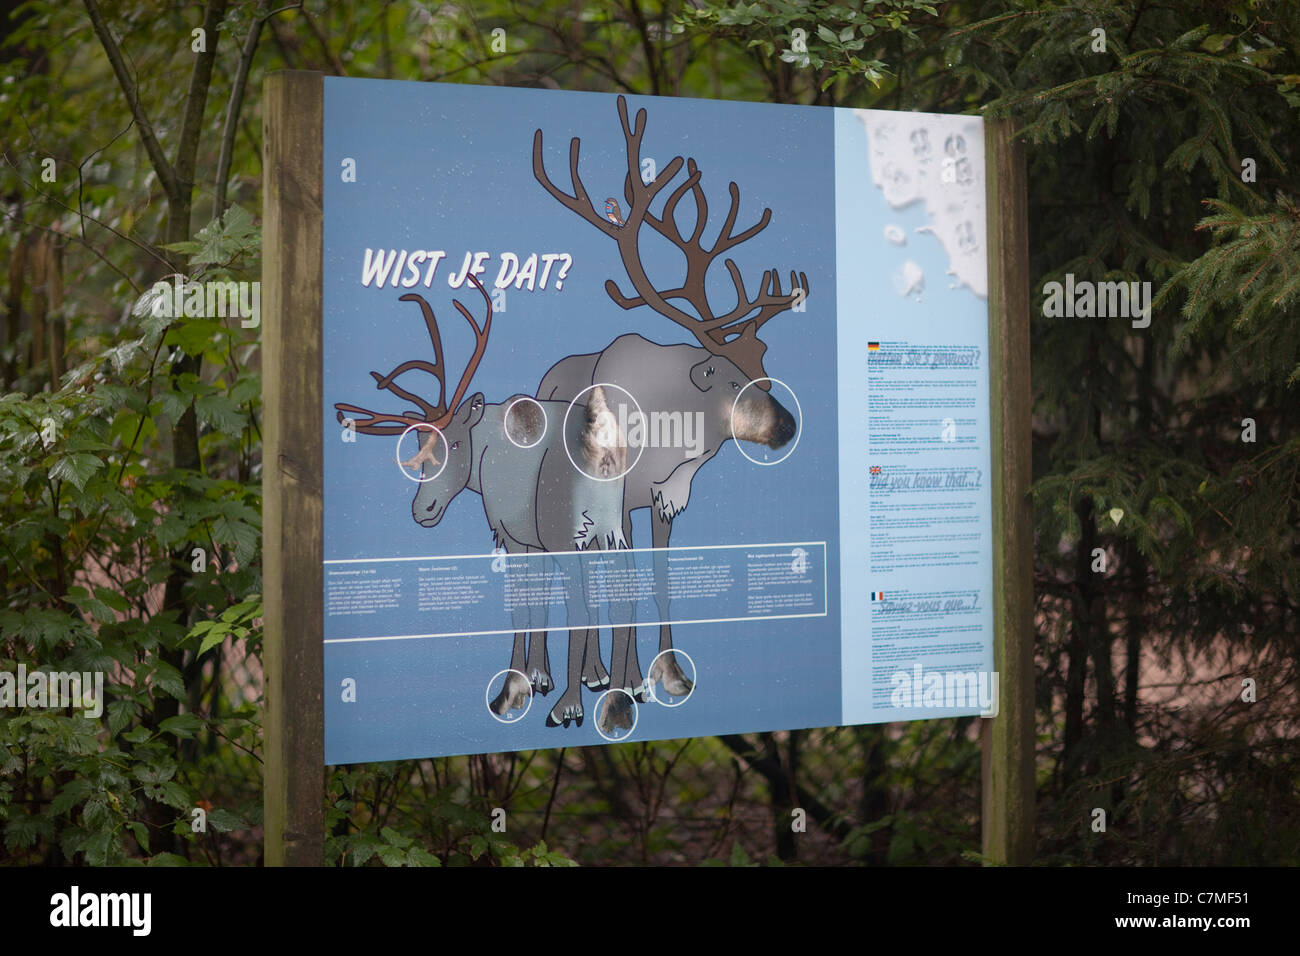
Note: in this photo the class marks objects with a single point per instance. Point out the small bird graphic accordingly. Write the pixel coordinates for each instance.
(612, 212)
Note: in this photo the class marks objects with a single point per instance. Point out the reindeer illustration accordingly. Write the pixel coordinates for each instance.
(550, 477)
(709, 379)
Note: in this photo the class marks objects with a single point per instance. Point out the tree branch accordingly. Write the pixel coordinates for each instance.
(166, 174)
(237, 102)
(192, 122)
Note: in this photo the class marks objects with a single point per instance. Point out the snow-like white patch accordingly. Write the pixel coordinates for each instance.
(895, 235)
(939, 160)
(909, 279)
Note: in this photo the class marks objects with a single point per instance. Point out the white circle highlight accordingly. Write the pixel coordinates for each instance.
(487, 697)
(446, 453)
(694, 676)
(565, 431)
(505, 421)
(798, 433)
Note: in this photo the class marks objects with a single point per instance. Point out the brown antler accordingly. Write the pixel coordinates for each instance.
(377, 423)
(733, 335)
(480, 346)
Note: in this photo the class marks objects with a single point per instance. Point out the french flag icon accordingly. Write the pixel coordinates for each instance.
(877, 595)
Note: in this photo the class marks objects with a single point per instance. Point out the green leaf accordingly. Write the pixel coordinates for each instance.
(213, 638)
(120, 713)
(360, 853)
(218, 243)
(394, 838)
(73, 792)
(137, 735)
(168, 678)
(223, 821)
(114, 600)
(141, 834)
(182, 725)
(418, 856)
(76, 468)
(244, 537)
(174, 795)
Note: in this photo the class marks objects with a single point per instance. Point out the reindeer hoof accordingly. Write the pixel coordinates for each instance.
(615, 712)
(514, 695)
(541, 681)
(668, 672)
(564, 711)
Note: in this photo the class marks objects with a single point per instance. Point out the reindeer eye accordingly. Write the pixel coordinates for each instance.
(455, 445)
(708, 371)
(735, 386)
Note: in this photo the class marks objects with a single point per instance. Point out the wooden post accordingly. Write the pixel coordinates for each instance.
(1008, 738)
(293, 734)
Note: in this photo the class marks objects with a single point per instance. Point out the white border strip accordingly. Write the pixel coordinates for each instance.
(683, 547)
(549, 630)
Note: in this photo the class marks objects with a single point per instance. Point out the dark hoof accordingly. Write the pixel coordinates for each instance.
(565, 710)
(541, 681)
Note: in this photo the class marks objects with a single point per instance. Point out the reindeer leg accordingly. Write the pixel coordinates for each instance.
(539, 663)
(569, 706)
(514, 692)
(594, 674)
(616, 709)
(666, 667)
(538, 668)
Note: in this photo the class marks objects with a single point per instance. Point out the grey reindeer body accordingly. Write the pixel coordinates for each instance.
(666, 379)
(534, 495)
(536, 500)
(673, 378)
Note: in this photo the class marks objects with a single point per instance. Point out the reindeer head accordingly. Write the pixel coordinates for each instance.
(732, 335)
(744, 413)
(441, 481)
(442, 429)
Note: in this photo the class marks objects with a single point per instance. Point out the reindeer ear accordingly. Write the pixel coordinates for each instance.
(704, 374)
(470, 410)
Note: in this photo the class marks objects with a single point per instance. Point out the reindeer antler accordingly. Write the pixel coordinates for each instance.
(733, 335)
(378, 423)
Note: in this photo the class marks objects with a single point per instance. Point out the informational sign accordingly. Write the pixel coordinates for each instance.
(648, 418)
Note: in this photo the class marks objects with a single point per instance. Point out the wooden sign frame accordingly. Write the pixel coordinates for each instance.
(293, 113)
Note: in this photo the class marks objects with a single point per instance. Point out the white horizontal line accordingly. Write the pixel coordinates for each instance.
(520, 554)
(711, 620)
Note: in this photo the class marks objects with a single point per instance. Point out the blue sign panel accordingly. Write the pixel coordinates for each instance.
(648, 418)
